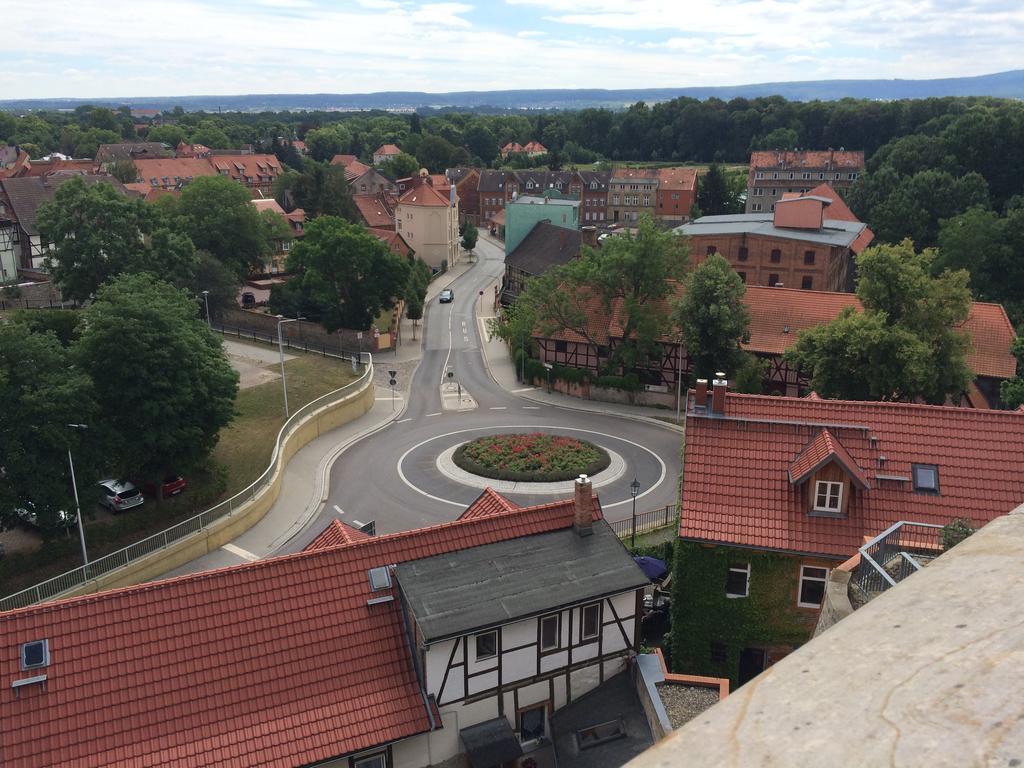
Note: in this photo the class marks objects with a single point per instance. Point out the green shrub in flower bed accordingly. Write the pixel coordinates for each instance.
(531, 458)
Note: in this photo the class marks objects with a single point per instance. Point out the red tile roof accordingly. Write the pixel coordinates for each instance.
(353, 168)
(681, 179)
(490, 502)
(832, 160)
(392, 239)
(279, 662)
(172, 172)
(376, 210)
(821, 450)
(334, 535)
(423, 194)
(252, 170)
(737, 490)
(387, 149)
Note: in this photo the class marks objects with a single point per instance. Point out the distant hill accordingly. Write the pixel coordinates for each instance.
(1001, 84)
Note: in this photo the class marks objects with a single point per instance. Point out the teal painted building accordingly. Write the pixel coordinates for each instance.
(522, 214)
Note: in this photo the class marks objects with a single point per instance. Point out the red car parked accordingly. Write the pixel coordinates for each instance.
(171, 486)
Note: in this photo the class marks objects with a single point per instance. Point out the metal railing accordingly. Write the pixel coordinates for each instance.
(894, 555)
(7, 304)
(59, 584)
(651, 520)
(304, 345)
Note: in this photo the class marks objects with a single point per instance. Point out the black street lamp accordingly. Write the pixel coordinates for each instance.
(634, 489)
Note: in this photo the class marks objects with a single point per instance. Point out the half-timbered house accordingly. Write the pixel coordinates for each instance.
(397, 651)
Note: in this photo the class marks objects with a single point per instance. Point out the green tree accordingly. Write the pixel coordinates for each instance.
(124, 171)
(480, 141)
(780, 138)
(41, 392)
(416, 292)
(221, 282)
(168, 412)
(400, 166)
(1012, 390)
(905, 345)
(348, 274)
(96, 233)
(211, 135)
(470, 235)
(435, 153)
(324, 143)
(634, 272)
(714, 320)
(172, 135)
(715, 196)
(219, 217)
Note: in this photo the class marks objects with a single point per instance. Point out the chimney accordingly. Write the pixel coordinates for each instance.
(700, 399)
(583, 507)
(590, 236)
(718, 389)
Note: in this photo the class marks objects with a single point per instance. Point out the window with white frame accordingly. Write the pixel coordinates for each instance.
(812, 586)
(756, 207)
(35, 654)
(549, 626)
(828, 496)
(737, 582)
(486, 645)
(590, 624)
(759, 175)
(376, 760)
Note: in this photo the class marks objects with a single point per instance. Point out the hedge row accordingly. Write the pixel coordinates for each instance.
(535, 371)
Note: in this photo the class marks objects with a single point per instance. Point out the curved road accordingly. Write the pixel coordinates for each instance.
(391, 476)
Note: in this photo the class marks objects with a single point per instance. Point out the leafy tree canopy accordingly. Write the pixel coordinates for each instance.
(174, 388)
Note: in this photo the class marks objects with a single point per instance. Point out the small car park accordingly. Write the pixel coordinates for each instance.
(117, 496)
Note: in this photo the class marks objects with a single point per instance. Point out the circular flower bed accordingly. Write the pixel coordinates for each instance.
(531, 458)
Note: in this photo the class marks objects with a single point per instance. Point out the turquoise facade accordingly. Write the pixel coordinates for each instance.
(521, 215)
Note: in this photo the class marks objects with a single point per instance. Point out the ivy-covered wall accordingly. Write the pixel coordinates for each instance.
(702, 614)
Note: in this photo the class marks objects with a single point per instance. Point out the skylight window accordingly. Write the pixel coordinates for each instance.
(926, 478)
(35, 654)
(380, 579)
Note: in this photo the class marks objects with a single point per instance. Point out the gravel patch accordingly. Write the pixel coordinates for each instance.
(685, 702)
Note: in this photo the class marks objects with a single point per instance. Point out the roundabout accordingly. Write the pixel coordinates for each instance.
(531, 457)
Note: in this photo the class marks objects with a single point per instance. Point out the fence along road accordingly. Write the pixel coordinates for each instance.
(56, 586)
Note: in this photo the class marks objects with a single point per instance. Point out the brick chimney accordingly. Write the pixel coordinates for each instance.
(718, 389)
(590, 236)
(700, 399)
(583, 507)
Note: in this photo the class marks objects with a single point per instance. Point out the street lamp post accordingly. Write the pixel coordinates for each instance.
(634, 489)
(206, 303)
(281, 320)
(78, 507)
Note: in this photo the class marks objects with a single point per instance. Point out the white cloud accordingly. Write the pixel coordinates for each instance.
(179, 47)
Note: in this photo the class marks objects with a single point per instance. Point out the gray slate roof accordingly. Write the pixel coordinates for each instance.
(487, 586)
(492, 181)
(536, 200)
(838, 233)
(544, 247)
(110, 153)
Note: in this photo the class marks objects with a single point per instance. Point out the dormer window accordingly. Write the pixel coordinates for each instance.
(926, 478)
(35, 654)
(828, 496)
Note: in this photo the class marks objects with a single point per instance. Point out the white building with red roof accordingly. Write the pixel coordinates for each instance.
(428, 220)
(385, 152)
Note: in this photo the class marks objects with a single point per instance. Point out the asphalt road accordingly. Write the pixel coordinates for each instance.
(391, 476)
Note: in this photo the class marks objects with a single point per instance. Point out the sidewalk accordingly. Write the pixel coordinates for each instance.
(303, 487)
(499, 364)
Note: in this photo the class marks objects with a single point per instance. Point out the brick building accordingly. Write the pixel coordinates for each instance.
(677, 193)
(776, 173)
(467, 187)
(799, 245)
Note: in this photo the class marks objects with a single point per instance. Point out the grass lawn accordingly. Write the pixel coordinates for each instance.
(242, 453)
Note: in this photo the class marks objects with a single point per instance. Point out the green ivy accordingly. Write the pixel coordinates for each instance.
(702, 614)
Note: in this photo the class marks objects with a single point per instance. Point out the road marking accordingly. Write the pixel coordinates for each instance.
(396, 397)
(408, 483)
(339, 510)
(524, 389)
(531, 407)
(402, 421)
(239, 552)
(433, 414)
(499, 407)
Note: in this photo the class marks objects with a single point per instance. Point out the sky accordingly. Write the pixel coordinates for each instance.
(123, 48)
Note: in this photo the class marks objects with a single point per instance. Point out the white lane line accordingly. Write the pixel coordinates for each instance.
(339, 510)
(239, 552)
(524, 389)
(499, 407)
(531, 407)
(409, 484)
(402, 421)
(447, 357)
(433, 414)
(397, 397)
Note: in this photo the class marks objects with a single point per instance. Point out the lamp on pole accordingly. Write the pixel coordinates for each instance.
(634, 489)
(206, 303)
(78, 507)
(281, 320)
